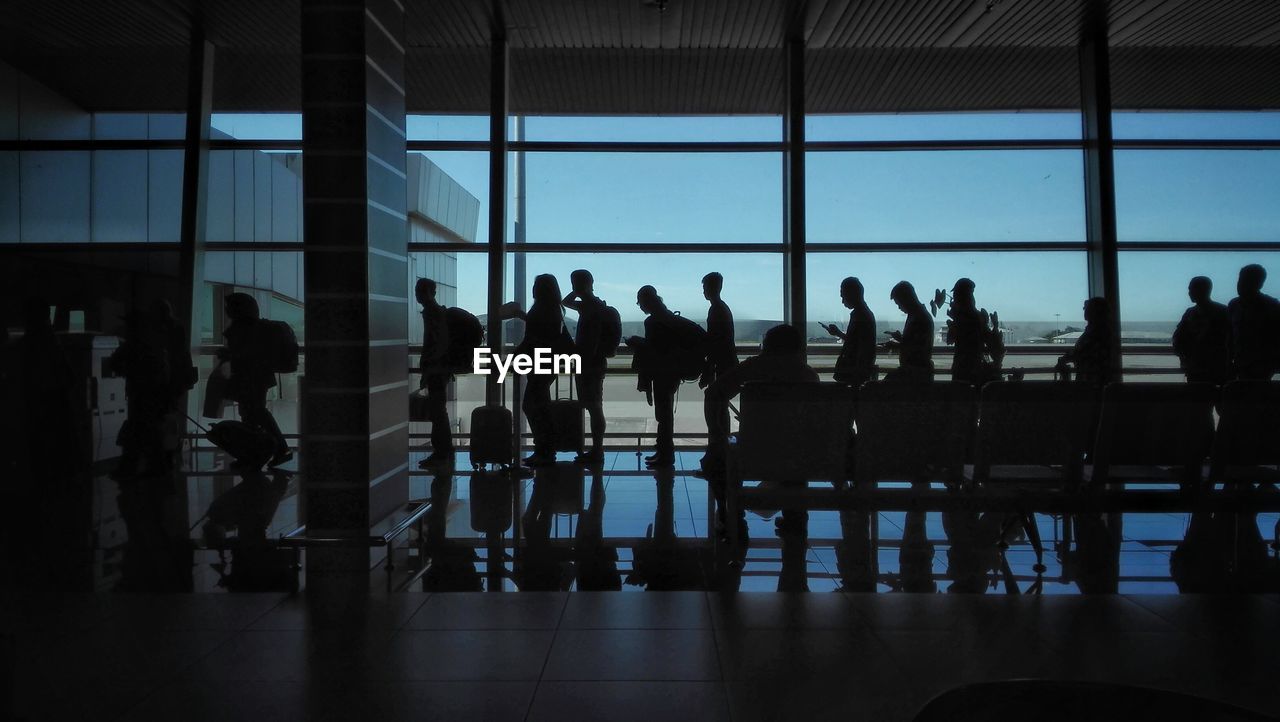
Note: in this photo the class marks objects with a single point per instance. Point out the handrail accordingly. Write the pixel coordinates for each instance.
(298, 538)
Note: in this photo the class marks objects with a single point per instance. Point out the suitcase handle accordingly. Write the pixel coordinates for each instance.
(557, 398)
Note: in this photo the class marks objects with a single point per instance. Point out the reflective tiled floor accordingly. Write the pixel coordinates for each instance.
(588, 656)
(659, 527)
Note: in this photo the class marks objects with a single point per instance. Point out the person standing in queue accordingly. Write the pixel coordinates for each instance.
(595, 360)
(857, 361)
(435, 372)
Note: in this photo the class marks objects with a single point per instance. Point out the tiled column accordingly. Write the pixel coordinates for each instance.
(355, 410)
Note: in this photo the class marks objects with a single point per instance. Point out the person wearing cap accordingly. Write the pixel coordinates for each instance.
(979, 349)
(658, 378)
(915, 342)
(857, 361)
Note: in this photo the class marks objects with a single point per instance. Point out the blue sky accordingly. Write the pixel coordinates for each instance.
(1029, 195)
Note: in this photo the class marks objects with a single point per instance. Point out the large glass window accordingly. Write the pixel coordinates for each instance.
(586, 197)
(1197, 195)
(945, 196)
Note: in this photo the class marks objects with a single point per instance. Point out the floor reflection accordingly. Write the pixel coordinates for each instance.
(618, 527)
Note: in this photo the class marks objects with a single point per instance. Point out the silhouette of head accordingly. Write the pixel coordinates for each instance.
(582, 282)
(904, 294)
(424, 290)
(1199, 289)
(851, 292)
(1252, 277)
(648, 300)
(1096, 310)
(546, 290)
(781, 339)
(712, 284)
(241, 307)
(963, 289)
(162, 310)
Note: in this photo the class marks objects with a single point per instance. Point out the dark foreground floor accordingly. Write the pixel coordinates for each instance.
(577, 656)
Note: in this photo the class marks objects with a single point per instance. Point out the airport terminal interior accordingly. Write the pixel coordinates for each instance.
(924, 359)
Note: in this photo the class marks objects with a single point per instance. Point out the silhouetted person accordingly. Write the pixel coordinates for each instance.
(155, 360)
(658, 374)
(915, 342)
(1255, 326)
(1091, 354)
(543, 328)
(434, 367)
(780, 360)
(857, 361)
(53, 477)
(251, 369)
(595, 361)
(978, 348)
(1202, 339)
(722, 352)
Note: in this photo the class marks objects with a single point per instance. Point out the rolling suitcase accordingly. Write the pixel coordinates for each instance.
(248, 445)
(566, 422)
(490, 436)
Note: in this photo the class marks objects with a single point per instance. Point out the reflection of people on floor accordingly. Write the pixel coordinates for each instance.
(915, 556)
(540, 565)
(1224, 553)
(597, 562)
(451, 566)
(662, 562)
(256, 564)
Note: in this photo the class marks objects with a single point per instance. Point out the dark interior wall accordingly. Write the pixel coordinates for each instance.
(102, 284)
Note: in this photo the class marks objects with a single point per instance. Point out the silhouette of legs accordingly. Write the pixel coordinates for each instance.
(664, 409)
(438, 414)
(537, 409)
(591, 392)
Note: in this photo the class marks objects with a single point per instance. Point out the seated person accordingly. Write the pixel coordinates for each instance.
(780, 360)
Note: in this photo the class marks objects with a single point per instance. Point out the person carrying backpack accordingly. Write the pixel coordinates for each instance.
(436, 372)
(598, 333)
(672, 350)
(254, 350)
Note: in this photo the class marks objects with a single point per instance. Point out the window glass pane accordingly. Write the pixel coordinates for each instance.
(448, 127)
(254, 196)
(670, 128)
(1223, 125)
(1197, 195)
(940, 196)
(653, 197)
(943, 126)
(139, 126)
(1153, 284)
(257, 126)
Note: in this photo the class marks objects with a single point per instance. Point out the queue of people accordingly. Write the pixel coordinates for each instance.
(1214, 343)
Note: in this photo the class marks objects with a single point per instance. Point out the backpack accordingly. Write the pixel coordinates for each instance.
(690, 351)
(281, 347)
(610, 331)
(466, 334)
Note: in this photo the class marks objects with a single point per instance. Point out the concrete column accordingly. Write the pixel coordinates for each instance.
(355, 407)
